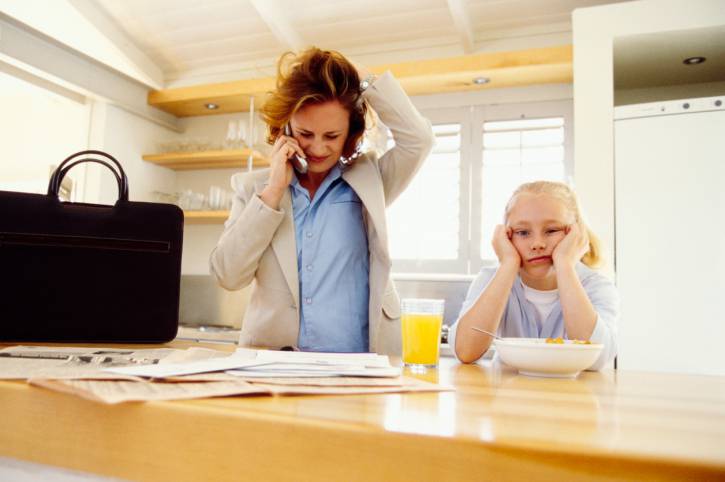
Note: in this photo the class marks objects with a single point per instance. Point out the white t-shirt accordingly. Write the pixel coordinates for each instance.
(543, 301)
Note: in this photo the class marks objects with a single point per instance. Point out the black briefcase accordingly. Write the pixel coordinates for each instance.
(75, 272)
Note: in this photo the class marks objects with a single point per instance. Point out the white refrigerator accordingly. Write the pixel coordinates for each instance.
(670, 235)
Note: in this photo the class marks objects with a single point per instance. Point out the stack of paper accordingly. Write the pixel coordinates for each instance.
(196, 373)
(267, 363)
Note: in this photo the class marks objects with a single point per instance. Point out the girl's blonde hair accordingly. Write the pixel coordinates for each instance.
(562, 192)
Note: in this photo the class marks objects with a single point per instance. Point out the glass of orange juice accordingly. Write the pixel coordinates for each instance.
(421, 321)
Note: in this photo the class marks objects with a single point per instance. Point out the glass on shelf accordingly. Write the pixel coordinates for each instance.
(165, 197)
(236, 137)
(168, 145)
(185, 144)
(192, 201)
(219, 199)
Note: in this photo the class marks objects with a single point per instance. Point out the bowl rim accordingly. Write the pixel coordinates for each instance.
(536, 344)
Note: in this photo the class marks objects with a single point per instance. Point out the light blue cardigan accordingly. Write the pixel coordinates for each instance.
(519, 316)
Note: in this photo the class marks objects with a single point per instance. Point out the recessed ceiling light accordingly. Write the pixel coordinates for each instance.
(211, 106)
(694, 60)
(481, 80)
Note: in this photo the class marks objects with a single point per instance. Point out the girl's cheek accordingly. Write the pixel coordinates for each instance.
(520, 247)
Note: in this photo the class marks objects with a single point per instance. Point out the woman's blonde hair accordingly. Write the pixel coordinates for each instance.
(315, 76)
(562, 192)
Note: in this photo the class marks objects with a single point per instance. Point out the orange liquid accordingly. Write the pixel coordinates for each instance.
(421, 335)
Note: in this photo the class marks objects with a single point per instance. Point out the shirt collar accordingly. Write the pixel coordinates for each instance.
(334, 174)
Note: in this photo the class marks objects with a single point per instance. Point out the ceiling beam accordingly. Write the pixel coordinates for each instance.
(108, 27)
(82, 26)
(453, 74)
(278, 22)
(44, 61)
(461, 19)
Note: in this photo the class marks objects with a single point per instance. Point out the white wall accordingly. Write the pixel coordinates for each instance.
(127, 137)
(594, 32)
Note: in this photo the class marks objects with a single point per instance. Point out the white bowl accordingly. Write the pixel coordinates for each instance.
(535, 357)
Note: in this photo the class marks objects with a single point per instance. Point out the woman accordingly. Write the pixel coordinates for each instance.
(315, 243)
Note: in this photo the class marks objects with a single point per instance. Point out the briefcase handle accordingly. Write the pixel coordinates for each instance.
(66, 165)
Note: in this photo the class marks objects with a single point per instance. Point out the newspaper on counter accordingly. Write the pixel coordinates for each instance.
(109, 375)
(118, 391)
(23, 362)
(115, 391)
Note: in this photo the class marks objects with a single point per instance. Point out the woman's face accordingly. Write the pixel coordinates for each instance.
(537, 222)
(321, 130)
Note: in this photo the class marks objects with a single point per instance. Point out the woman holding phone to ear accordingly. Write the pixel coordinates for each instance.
(314, 243)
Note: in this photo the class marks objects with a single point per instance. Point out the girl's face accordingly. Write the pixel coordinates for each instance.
(537, 223)
(321, 130)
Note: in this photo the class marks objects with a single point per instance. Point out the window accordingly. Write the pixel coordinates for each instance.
(39, 128)
(444, 221)
(422, 228)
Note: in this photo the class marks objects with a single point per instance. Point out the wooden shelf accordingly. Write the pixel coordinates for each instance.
(221, 159)
(205, 217)
(453, 74)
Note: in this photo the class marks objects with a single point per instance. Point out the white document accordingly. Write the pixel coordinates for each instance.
(283, 364)
(277, 370)
(268, 363)
(370, 360)
(236, 360)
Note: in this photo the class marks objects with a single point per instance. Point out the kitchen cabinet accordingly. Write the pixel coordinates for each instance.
(217, 159)
(205, 217)
(418, 77)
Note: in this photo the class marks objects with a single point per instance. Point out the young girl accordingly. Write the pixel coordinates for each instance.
(543, 286)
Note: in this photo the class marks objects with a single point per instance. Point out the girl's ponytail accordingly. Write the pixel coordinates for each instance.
(593, 257)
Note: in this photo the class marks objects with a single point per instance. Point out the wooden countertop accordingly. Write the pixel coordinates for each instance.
(496, 425)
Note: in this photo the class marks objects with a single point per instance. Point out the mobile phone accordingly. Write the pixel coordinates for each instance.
(298, 162)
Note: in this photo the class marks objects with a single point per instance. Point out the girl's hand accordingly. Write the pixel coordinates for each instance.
(504, 248)
(572, 247)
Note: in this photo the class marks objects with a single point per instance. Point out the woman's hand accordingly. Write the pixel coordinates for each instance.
(572, 247)
(280, 172)
(504, 248)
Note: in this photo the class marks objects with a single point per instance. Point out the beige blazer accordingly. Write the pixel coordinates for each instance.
(258, 242)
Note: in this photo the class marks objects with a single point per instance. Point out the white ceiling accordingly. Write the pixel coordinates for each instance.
(198, 41)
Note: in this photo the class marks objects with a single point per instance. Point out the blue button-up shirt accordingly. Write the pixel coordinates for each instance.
(333, 266)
